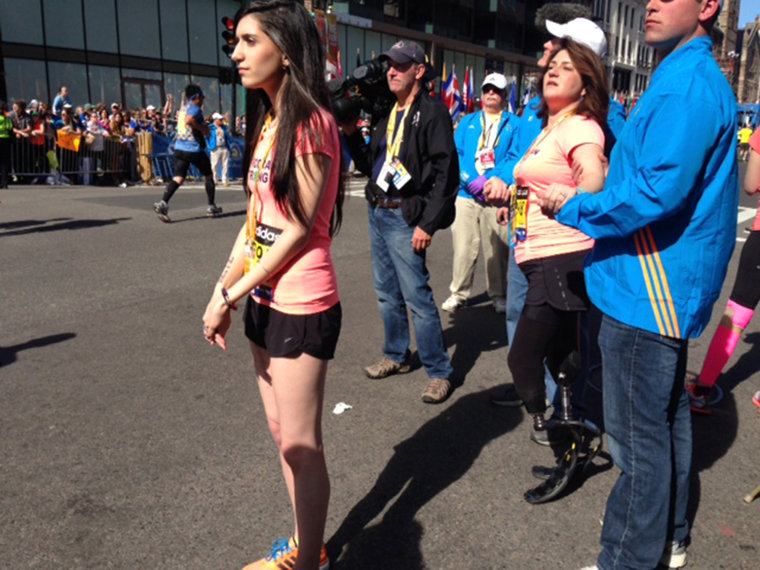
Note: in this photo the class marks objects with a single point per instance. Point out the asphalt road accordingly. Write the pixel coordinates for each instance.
(127, 442)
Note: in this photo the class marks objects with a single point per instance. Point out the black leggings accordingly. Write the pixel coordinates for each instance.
(746, 290)
(542, 333)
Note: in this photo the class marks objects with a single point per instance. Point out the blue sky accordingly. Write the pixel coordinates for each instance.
(747, 11)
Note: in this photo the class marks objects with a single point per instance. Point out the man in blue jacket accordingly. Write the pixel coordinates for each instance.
(219, 146)
(665, 227)
(482, 140)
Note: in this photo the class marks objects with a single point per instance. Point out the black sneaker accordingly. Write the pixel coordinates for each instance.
(213, 211)
(507, 397)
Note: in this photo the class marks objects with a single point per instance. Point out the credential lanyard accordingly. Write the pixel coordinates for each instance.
(485, 135)
(250, 219)
(394, 139)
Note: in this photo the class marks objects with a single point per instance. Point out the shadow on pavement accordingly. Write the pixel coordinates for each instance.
(8, 353)
(65, 225)
(205, 217)
(27, 223)
(471, 331)
(715, 434)
(424, 465)
(745, 367)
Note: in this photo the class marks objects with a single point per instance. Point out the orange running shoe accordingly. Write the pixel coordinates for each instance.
(283, 557)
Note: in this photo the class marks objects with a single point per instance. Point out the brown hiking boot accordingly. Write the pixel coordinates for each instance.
(386, 367)
(437, 391)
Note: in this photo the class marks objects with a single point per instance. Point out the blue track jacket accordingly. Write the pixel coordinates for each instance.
(211, 140)
(466, 138)
(665, 223)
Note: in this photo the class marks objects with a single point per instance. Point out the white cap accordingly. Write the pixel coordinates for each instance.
(150, 108)
(495, 79)
(114, 104)
(216, 116)
(583, 31)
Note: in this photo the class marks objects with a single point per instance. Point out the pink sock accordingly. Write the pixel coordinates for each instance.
(724, 342)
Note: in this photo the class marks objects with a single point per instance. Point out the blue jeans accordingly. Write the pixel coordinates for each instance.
(646, 412)
(401, 278)
(517, 291)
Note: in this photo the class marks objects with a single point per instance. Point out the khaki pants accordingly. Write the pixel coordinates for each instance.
(218, 154)
(474, 227)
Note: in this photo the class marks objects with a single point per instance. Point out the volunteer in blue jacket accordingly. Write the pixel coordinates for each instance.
(665, 227)
(482, 140)
(219, 146)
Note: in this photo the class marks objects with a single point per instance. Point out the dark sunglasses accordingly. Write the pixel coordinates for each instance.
(492, 89)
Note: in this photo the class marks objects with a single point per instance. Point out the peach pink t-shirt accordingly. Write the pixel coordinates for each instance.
(754, 143)
(548, 161)
(307, 284)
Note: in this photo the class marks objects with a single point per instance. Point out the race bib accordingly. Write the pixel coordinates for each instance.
(518, 214)
(181, 125)
(255, 249)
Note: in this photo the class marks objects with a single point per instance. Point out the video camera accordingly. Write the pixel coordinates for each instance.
(366, 89)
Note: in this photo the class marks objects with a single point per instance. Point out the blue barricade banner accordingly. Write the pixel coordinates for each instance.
(163, 158)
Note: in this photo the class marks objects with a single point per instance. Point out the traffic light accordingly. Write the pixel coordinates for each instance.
(228, 36)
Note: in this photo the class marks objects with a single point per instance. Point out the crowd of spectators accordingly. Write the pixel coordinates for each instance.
(88, 143)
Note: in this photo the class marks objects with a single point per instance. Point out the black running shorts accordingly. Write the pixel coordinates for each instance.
(282, 334)
(183, 160)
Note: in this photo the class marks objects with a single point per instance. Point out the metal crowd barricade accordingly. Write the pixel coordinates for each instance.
(69, 158)
(162, 157)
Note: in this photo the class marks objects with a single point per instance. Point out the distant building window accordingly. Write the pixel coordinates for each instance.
(392, 8)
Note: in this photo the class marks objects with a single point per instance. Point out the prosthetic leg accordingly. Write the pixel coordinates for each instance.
(584, 442)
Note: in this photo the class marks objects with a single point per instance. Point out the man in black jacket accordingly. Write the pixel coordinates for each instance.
(412, 164)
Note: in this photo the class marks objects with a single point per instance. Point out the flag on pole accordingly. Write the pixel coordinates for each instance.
(465, 95)
(340, 66)
(526, 97)
(513, 100)
(470, 93)
(445, 87)
(455, 104)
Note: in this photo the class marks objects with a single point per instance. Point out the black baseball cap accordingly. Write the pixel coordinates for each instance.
(405, 51)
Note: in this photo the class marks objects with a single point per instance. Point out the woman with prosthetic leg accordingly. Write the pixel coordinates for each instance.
(574, 101)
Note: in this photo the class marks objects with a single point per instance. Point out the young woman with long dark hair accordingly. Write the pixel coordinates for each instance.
(280, 262)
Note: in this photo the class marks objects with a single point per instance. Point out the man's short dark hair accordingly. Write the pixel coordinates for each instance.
(193, 91)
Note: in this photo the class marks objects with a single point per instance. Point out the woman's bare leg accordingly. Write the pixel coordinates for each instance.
(292, 390)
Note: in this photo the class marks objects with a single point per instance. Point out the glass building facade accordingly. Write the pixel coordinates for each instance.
(482, 35)
(134, 52)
